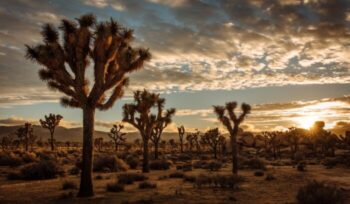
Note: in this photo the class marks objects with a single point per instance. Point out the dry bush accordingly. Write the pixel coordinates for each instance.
(29, 157)
(160, 164)
(218, 181)
(211, 165)
(132, 161)
(115, 187)
(130, 178)
(259, 173)
(38, 171)
(147, 184)
(109, 164)
(189, 178)
(301, 166)
(320, 193)
(69, 185)
(10, 159)
(254, 164)
(74, 170)
(176, 175)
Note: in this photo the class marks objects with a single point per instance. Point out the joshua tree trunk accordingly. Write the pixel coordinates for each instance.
(52, 145)
(116, 147)
(181, 146)
(86, 187)
(145, 167)
(156, 150)
(234, 150)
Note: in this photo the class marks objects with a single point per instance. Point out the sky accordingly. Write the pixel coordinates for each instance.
(289, 59)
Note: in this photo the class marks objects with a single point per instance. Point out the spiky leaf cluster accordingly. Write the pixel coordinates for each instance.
(107, 44)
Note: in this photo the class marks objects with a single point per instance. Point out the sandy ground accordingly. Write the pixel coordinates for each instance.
(254, 190)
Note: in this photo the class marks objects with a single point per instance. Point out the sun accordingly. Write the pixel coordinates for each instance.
(306, 121)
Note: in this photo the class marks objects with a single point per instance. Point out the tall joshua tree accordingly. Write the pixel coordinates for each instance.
(181, 131)
(107, 45)
(50, 123)
(139, 115)
(117, 136)
(227, 116)
(163, 120)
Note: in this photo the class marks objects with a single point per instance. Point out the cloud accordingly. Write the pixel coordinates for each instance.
(196, 45)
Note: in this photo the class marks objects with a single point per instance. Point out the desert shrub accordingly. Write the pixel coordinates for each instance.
(115, 187)
(62, 153)
(46, 155)
(29, 157)
(269, 177)
(141, 201)
(109, 163)
(132, 161)
(258, 173)
(147, 184)
(160, 164)
(218, 181)
(204, 157)
(98, 177)
(67, 195)
(130, 178)
(331, 162)
(40, 170)
(74, 170)
(301, 166)
(176, 175)
(184, 157)
(320, 193)
(254, 164)
(69, 185)
(199, 164)
(10, 160)
(214, 165)
(189, 178)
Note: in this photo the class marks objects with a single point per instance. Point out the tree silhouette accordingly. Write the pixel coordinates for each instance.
(226, 115)
(50, 123)
(212, 138)
(181, 131)
(139, 115)
(25, 135)
(117, 136)
(163, 120)
(107, 44)
(98, 142)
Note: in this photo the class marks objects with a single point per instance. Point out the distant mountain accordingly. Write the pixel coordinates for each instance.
(63, 134)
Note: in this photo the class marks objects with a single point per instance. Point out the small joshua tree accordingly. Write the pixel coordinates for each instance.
(139, 115)
(25, 135)
(181, 131)
(108, 46)
(163, 120)
(212, 138)
(50, 123)
(99, 143)
(227, 116)
(193, 141)
(117, 136)
(6, 142)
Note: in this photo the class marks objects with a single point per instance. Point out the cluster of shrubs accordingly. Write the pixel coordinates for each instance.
(160, 164)
(107, 163)
(115, 187)
(343, 160)
(256, 164)
(38, 171)
(146, 185)
(216, 181)
(320, 193)
(210, 165)
(130, 178)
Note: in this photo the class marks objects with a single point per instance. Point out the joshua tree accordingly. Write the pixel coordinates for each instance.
(172, 144)
(107, 44)
(50, 123)
(25, 135)
(117, 136)
(272, 142)
(98, 143)
(181, 131)
(139, 115)
(212, 138)
(6, 142)
(163, 120)
(232, 122)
